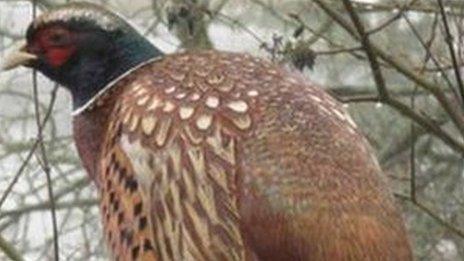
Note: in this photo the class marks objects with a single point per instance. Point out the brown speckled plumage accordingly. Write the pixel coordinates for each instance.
(211, 155)
(229, 157)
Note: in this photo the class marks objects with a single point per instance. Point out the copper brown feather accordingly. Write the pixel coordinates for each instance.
(236, 158)
(211, 155)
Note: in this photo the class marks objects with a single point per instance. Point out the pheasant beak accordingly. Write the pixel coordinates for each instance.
(20, 57)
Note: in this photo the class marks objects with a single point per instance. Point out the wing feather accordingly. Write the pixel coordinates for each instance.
(182, 149)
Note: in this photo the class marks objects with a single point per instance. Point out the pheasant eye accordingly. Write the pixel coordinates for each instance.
(54, 37)
(58, 38)
(55, 45)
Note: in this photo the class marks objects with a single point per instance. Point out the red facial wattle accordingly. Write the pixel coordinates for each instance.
(58, 56)
(54, 44)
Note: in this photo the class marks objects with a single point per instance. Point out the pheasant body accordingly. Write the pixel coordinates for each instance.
(233, 157)
(212, 155)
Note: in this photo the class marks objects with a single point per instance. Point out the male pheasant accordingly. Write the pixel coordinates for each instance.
(209, 155)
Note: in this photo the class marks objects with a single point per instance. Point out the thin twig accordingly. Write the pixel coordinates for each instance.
(337, 51)
(236, 22)
(412, 155)
(419, 7)
(44, 162)
(383, 95)
(29, 155)
(19, 173)
(24, 210)
(438, 93)
(375, 67)
(434, 216)
(44, 158)
(394, 18)
(449, 41)
(427, 47)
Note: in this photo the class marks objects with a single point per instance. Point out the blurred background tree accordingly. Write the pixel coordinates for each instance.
(397, 65)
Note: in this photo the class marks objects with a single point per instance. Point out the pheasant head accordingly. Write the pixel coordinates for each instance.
(83, 47)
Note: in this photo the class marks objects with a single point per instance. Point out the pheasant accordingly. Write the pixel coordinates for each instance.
(209, 155)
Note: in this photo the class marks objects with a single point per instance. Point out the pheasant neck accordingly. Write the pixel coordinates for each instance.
(99, 61)
(89, 130)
